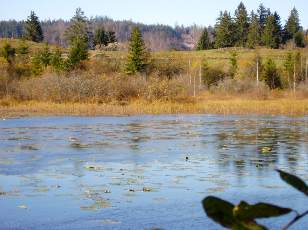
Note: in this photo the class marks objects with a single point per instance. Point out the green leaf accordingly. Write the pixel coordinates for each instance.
(248, 225)
(294, 181)
(219, 210)
(245, 211)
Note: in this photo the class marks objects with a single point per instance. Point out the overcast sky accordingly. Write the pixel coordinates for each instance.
(171, 12)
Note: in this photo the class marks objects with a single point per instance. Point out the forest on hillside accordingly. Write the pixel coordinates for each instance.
(262, 27)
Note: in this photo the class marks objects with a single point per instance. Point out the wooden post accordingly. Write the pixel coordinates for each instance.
(200, 75)
(294, 78)
(257, 72)
(189, 71)
(194, 85)
(306, 70)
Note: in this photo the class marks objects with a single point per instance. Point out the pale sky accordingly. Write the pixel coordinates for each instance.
(171, 12)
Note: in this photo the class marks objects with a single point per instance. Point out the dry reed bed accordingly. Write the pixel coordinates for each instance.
(288, 107)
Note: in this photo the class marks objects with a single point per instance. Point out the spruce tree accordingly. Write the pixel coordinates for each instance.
(270, 74)
(33, 29)
(272, 32)
(138, 55)
(292, 26)
(224, 31)
(111, 38)
(241, 25)
(278, 33)
(78, 52)
(100, 37)
(204, 41)
(299, 39)
(78, 28)
(253, 37)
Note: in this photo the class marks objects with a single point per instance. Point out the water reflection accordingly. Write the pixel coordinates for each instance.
(154, 165)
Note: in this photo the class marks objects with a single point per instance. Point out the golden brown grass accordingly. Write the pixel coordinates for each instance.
(289, 107)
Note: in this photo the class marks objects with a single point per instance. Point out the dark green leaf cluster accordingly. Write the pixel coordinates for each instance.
(243, 215)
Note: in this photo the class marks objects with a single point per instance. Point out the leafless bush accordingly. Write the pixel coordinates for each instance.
(245, 86)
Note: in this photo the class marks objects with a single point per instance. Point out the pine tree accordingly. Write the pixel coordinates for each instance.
(299, 39)
(292, 26)
(278, 33)
(45, 56)
(263, 14)
(270, 74)
(78, 52)
(8, 53)
(224, 31)
(33, 29)
(78, 28)
(204, 41)
(272, 32)
(138, 55)
(100, 37)
(233, 64)
(241, 25)
(111, 38)
(253, 37)
(57, 61)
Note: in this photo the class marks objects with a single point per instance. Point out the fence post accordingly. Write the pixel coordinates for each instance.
(306, 70)
(189, 71)
(200, 75)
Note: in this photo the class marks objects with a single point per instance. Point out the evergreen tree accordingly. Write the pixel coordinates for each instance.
(138, 55)
(78, 52)
(233, 64)
(224, 31)
(289, 67)
(299, 39)
(56, 60)
(263, 14)
(204, 41)
(278, 33)
(253, 37)
(33, 29)
(100, 37)
(78, 28)
(292, 26)
(111, 38)
(45, 56)
(270, 74)
(272, 32)
(241, 25)
(8, 53)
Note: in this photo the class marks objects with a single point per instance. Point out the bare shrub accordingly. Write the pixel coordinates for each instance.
(245, 86)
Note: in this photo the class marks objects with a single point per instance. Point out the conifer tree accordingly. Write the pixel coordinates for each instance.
(100, 37)
(111, 38)
(272, 32)
(224, 31)
(241, 25)
(78, 28)
(278, 33)
(78, 52)
(253, 37)
(33, 29)
(138, 55)
(292, 26)
(204, 41)
(270, 74)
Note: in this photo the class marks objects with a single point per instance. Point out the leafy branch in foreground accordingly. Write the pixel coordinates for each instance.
(243, 215)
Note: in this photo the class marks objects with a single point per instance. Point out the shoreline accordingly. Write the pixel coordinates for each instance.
(287, 107)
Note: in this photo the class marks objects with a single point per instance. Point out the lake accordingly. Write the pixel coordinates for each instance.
(145, 172)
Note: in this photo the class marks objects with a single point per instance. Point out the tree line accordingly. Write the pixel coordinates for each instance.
(261, 28)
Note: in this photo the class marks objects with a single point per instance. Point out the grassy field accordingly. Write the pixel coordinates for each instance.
(282, 103)
(288, 107)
